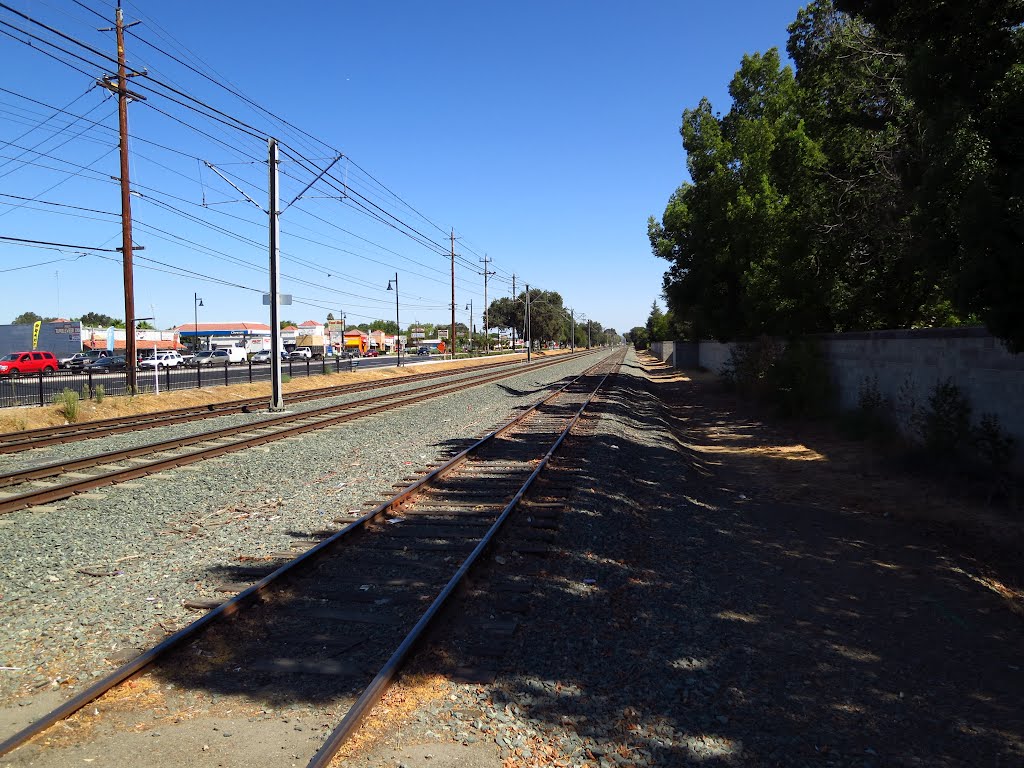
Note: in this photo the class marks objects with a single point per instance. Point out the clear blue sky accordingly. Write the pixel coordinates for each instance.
(544, 133)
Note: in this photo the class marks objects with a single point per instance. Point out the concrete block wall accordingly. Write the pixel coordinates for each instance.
(990, 377)
(678, 354)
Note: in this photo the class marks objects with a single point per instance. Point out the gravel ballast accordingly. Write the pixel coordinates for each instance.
(101, 574)
(681, 617)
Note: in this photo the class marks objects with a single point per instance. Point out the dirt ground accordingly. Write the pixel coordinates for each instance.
(811, 464)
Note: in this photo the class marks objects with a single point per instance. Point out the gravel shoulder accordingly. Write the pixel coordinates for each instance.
(690, 615)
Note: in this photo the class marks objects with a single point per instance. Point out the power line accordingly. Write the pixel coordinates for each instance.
(60, 245)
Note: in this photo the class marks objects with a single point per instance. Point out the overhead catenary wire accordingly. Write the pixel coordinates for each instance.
(354, 194)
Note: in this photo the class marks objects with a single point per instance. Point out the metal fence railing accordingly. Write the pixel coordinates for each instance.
(41, 389)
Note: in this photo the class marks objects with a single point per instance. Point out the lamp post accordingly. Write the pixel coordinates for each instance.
(197, 303)
(470, 308)
(398, 324)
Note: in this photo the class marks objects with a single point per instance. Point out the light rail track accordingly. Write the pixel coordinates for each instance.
(104, 469)
(13, 442)
(335, 625)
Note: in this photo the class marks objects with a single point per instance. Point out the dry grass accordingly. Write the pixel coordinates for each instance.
(21, 419)
(386, 719)
(133, 695)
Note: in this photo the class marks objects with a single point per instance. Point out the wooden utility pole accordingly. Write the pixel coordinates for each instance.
(123, 94)
(451, 339)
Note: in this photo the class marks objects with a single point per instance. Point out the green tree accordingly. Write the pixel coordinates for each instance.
(99, 320)
(638, 337)
(965, 72)
(26, 318)
(387, 326)
(286, 323)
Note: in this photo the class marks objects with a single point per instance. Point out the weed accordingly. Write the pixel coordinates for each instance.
(285, 378)
(67, 403)
(99, 393)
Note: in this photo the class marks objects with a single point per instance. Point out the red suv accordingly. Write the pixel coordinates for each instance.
(18, 363)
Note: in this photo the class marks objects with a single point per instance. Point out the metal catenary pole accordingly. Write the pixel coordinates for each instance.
(487, 327)
(276, 396)
(514, 297)
(451, 337)
(529, 337)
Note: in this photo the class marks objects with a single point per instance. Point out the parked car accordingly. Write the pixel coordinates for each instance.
(301, 353)
(19, 363)
(424, 351)
(162, 360)
(106, 364)
(203, 358)
(80, 359)
(372, 353)
(262, 356)
(232, 353)
(187, 357)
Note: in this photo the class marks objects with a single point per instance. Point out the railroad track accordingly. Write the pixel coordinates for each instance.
(65, 478)
(334, 625)
(14, 442)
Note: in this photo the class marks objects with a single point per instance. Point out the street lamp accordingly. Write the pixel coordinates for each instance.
(198, 302)
(398, 324)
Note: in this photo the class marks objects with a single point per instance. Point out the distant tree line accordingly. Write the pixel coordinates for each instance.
(89, 320)
(880, 185)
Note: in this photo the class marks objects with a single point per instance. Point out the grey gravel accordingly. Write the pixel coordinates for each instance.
(156, 542)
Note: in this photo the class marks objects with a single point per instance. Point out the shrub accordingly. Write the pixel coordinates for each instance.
(945, 424)
(872, 417)
(285, 378)
(67, 403)
(993, 445)
(99, 393)
(749, 368)
(795, 378)
(800, 382)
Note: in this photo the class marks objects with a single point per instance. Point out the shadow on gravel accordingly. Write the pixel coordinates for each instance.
(682, 622)
(686, 623)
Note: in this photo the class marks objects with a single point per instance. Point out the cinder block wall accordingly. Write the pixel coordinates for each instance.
(991, 378)
(914, 361)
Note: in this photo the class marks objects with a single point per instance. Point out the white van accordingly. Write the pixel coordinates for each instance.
(234, 354)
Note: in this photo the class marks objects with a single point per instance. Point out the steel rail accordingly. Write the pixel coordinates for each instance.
(330, 418)
(304, 560)
(13, 442)
(383, 679)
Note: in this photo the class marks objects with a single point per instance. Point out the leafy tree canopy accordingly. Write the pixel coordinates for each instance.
(26, 318)
(875, 186)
